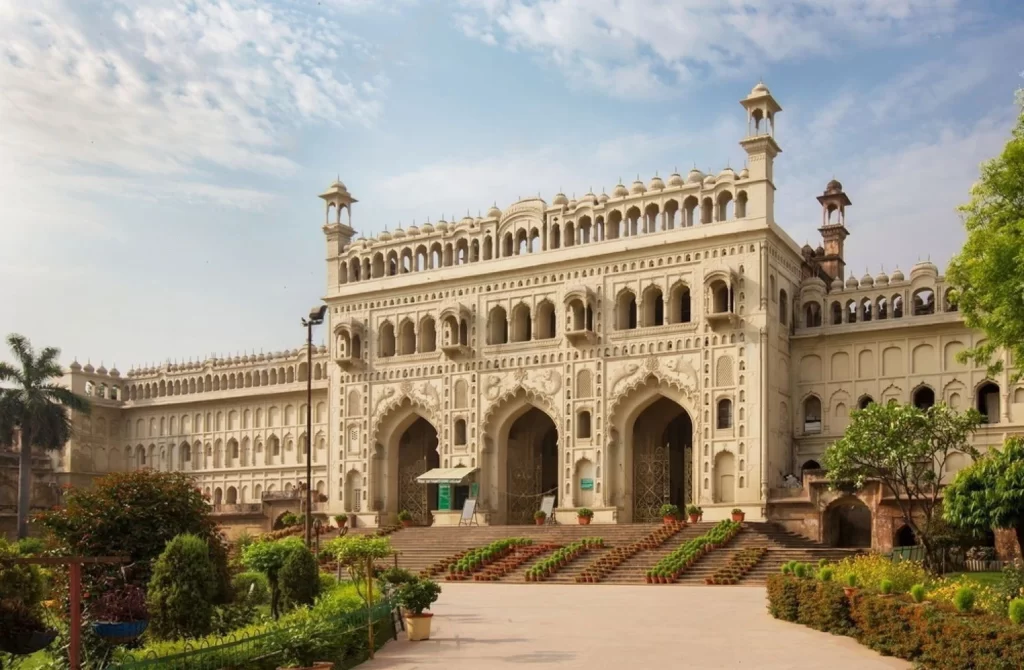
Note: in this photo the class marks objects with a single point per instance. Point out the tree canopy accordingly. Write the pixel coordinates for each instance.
(906, 449)
(990, 493)
(988, 273)
(33, 404)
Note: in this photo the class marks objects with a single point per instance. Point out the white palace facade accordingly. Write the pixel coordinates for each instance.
(665, 342)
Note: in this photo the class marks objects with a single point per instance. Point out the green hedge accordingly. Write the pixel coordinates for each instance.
(934, 635)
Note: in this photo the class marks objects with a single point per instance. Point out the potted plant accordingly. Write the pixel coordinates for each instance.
(22, 630)
(540, 517)
(693, 512)
(405, 518)
(341, 520)
(584, 515)
(850, 589)
(416, 597)
(120, 615)
(738, 515)
(669, 513)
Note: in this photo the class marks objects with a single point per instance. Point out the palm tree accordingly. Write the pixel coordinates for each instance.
(32, 404)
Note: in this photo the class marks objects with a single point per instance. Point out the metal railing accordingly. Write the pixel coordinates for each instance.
(238, 508)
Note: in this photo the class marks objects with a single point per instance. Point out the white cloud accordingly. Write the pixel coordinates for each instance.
(648, 46)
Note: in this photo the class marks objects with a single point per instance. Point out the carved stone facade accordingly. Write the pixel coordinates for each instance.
(666, 342)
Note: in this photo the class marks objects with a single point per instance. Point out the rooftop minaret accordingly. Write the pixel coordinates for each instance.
(339, 234)
(833, 228)
(761, 149)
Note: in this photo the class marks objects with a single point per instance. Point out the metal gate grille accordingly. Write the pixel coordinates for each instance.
(650, 484)
(524, 481)
(412, 495)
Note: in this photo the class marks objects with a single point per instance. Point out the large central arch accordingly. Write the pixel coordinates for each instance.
(406, 447)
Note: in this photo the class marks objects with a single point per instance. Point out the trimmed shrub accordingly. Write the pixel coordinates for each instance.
(823, 606)
(269, 558)
(787, 569)
(182, 589)
(826, 574)
(800, 570)
(1016, 611)
(327, 583)
(885, 587)
(871, 569)
(887, 626)
(252, 588)
(822, 562)
(917, 593)
(851, 580)
(782, 596)
(300, 579)
(964, 599)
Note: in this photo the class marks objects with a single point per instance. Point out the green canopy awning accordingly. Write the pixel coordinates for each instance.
(446, 475)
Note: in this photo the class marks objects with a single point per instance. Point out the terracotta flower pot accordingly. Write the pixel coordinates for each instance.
(584, 520)
(694, 518)
(540, 522)
(738, 516)
(406, 523)
(850, 592)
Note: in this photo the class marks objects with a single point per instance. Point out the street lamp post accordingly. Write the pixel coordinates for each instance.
(316, 317)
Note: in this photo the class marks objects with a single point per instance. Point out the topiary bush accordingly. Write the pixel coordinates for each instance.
(964, 599)
(782, 596)
(251, 587)
(300, 579)
(1016, 611)
(885, 587)
(917, 593)
(182, 590)
(269, 558)
(800, 570)
(826, 574)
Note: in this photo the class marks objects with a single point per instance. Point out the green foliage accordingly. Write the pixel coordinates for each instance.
(1011, 582)
(327, 582)
(540, 514)
(818, 604)
(35, 403)
(22, 583)
(917, 593)
(251, 587)
(404, 515)
(851, 580)
(299, 579)
(1016, 611)
(269, 557)
(686, 555)
(692, 509)
(244, 539)
(826, 574)
(418, 596)
(585, 513)
(990, 492)
(964, 599)
(800, 570)
(906, 449)
(182, 589)
(669, 510)
(985, 274)
(341, 519)
(135, 514)
(30, 546)
(358, 554)
(885, 586)
(288, 519)
(787, 569)
(822, 562)
(871, 569)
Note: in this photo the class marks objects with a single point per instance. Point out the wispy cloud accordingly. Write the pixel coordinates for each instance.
(644, 47)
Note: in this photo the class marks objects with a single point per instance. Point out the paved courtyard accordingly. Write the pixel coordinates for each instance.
(646, 627)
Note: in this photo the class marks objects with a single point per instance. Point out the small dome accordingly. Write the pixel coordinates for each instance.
(656, 184)
(442, 226)
(819, 250)
(867, 281)
(675, 179)
(399, 233)
(339, 185)
(620, 191)
(560, 199)
(101, 370)
(744, 173)
(603, 198)
(637, 187)
(834, 186)
(412, 231)
(588, 198)
(837, 284)
(75, 366)
(727, 173)
(851, 282)
(384, 236)
(759, 89)
(923, 269)
(89, 368)
(807, 250)
(881, 279)
(494, 212)
(427, 228)
(694, 176)
(572, 204)
(114, 372)
(709, 180)
(466, 220)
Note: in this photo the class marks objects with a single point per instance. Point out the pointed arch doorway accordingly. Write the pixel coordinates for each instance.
(662, 443)
(417, 453)
(532, 471)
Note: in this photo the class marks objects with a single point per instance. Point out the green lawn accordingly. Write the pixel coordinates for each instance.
(982, 578)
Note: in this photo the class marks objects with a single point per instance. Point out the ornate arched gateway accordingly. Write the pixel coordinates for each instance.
(406, 446)
(651, 447)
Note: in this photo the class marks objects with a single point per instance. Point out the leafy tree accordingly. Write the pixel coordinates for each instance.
(181, 590)
(990, 493)
(269, 558)
(986, 274)
(299, 578)
(33, 404)
(137, 514)
(359, 554)
(906, 449)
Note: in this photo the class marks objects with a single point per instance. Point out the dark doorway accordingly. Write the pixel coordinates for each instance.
(532, 464)
(662, 443)
(848, 524)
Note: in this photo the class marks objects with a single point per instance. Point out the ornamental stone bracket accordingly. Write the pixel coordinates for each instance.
(423, 395)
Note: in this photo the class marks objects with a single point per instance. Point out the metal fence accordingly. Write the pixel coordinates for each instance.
(949, 561)
(259, 650)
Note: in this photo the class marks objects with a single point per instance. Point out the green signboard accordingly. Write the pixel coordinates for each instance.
(474, 490)
(444, 496)
(586, 484)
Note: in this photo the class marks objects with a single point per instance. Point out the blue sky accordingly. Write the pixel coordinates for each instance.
(160, 159)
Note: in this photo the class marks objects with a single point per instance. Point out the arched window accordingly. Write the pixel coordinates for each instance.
(546, 328)
(881, 308)
(783, 307)
(865, 401)
(522, 323)
(406, 338)
(654, 307)
(679, 304)
(460, 432)
(387, 339)
(812, 315)
(724, 413)
(812, 414)
(507, 245)
(897, 307)
(583, 425)
(987, 402)
(721, 302)
(837, 313)
(924, 302)
(427, 336)
(924, 397)
(625, 310)
(865, 309)
(497, 326)
(851, 311)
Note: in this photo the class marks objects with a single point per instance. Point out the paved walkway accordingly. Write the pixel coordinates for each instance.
(497, 626)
